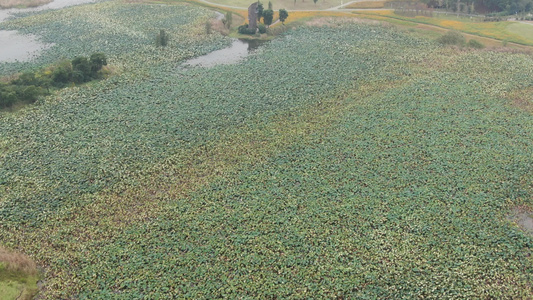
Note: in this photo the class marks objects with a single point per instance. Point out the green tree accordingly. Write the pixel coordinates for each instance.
(315, 1)
(268, 15)
(98, 60)
(228, 19)
(81, 70)
(283, 15)
(270, 5)
(8, 96)
(208, 27)
(26, 78)
(62, 73)
(260, 10)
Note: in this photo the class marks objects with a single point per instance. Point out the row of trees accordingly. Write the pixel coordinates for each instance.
(483, 6)
(29, 86)
(268, 17)
(268, 14)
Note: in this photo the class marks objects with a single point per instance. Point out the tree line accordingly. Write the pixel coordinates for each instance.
(509, 7)
(29, 86)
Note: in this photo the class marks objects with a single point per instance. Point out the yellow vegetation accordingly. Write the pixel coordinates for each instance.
(367, 4)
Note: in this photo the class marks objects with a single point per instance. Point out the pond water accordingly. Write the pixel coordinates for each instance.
(24, 47)
(19, 47)
(237, 51)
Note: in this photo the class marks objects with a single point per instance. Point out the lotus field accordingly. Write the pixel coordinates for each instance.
(343, 161)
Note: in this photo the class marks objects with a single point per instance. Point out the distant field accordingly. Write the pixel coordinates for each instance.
(508, 31)
(523, 30)
(341, 160)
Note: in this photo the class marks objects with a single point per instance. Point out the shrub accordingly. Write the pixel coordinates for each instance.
(81, 69)
(26, 78)
(162, 38)
(7, 95)
(262, 28)
(98, 60)
(475, 44)
(62, 73)
(452, 38)
(243, 29)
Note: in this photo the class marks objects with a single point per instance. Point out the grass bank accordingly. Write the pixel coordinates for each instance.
(18, 276)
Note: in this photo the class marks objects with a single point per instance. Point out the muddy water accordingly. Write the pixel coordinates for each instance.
(17, 47)
(237, 51)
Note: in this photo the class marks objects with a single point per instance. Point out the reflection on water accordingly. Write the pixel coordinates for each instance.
(19, 47)
(23, 47)
(238, 50)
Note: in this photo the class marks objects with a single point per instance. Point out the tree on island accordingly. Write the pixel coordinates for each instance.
(283, 15)
(260, 10)
(268, 15)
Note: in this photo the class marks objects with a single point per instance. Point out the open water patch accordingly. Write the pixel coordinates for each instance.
(523, 218)
(237, 51)
(17, 47)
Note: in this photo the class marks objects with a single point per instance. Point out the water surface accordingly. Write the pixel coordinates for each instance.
(237, 51)
(17, 47)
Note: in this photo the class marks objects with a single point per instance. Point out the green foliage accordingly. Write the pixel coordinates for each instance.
(372, 174)
(162, 38)
(283, 15)
(208, 27)
(270, 6)
(452, 38)
(262, 28)
(243, 29)
(25, 89)
(268, 15)
(260, 10)
(26, 78)
(500, 7)
(29, 86)
(228, 19)
(475, 44)
(81, 70)
(62, 73)
(98, 60)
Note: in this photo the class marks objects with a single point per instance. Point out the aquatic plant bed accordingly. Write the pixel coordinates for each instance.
(348, 161)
